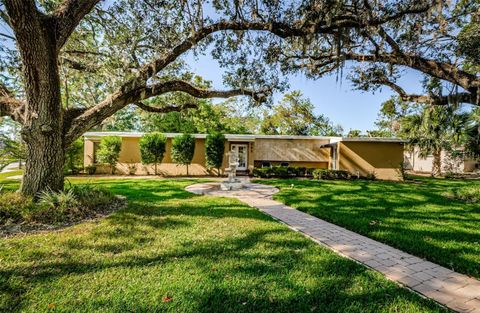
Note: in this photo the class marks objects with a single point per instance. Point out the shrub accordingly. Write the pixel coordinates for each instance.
(91, 196)
(74, 157)
(109, 151)
(331, 174)
(468, 194)
(183, 148)
(74, 204)
(91, 169)
(279, 171)
(152, 148)
(13, 205)
(214, 150)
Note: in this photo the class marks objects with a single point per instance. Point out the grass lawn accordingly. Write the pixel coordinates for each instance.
(415, 216)
(172, 251)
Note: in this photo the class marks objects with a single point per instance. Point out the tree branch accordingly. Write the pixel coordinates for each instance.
(118, 100)
(68, 15)
(9, 105)
(438, 69)
(173, 108)
(461, 97)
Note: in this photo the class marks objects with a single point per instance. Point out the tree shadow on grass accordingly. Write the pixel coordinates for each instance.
(260, 266)
(416, 219)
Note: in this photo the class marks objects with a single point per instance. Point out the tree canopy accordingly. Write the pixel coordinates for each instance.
(294, 116)
(68, 65)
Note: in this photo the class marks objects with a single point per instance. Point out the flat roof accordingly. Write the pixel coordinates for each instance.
(245, 137)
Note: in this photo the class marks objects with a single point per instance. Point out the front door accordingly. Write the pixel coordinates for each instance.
(242, 152)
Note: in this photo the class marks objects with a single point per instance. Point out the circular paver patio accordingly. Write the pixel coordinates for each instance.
(249, 190)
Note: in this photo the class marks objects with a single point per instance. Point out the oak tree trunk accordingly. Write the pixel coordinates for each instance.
(42, 125)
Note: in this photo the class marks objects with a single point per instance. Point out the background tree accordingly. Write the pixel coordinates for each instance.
(74, 157)
(79, 62)
(429, 128)
(294, 116)
(109, 151)
(353, 133)
(152, 148)
(214, 150)
(183, 149)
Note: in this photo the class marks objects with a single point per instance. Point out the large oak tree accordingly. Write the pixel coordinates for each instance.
(442, 43)
(131, 51)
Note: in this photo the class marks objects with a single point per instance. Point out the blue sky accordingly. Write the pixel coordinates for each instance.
(352, 109)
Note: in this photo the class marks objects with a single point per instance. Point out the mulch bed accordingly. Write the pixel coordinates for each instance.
(24, 228)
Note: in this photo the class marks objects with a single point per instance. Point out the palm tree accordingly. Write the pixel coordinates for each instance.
(433, 129)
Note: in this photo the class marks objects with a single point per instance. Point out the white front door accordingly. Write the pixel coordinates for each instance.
(242, 152)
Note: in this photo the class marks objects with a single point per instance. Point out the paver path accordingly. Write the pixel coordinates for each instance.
(456, 291)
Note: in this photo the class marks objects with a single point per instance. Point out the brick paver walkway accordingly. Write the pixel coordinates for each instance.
(456, 291)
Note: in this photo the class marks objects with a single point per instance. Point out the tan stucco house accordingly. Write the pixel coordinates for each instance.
(363, 156)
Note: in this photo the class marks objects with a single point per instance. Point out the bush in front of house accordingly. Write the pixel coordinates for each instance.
(152, 148)
(214, 150)
(282, 172)
(326, 174)
(109, 151)
(73, 204)
(74, 158)
(469, 194)
(183, 148)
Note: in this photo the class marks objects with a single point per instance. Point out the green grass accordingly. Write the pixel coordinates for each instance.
(171, 251)
(417, 217)
(6, 175)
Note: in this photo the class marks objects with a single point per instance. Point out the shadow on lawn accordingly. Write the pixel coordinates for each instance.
(272, 278)
(417, 219)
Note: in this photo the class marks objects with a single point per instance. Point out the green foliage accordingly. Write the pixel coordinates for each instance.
(214, 150)
(74, 157)
(470, 194)
(231, 250)
(331, 174)
(91, 169)
(76, 203)
(353, 133)
(294, 116)
(282, 172)
(412, 216)
(109, 151)
(13, 206)
(152, 148)
(183, 148)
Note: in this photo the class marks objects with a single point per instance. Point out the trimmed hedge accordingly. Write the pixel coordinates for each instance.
(282, 172)
(331, 174)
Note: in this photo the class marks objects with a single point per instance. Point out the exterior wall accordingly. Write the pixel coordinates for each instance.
(380, 158)
(424, 165)
(130, 163)
(292, 150)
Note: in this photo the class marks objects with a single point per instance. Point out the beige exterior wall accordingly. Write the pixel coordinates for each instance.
(424, 164)
(381, 158)
(292, 150)
(130, 162)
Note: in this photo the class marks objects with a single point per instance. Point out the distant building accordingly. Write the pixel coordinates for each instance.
(451, 164)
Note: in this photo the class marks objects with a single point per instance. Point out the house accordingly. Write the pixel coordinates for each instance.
(449, 163)
(360, 156)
